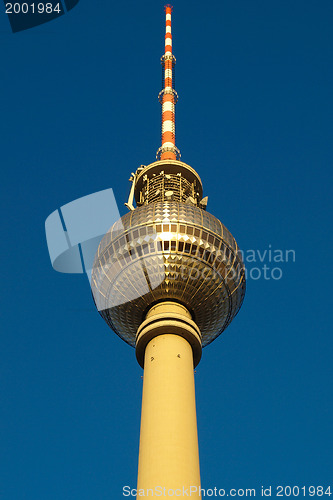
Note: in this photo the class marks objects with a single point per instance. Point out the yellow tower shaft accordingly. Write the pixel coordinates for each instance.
(168, 456)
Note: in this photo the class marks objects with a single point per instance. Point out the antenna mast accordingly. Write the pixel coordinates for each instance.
(168, 96)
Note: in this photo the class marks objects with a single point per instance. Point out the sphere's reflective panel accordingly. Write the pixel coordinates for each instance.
(168, 251)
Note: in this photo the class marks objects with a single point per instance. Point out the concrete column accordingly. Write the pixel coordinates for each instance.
(168, 456)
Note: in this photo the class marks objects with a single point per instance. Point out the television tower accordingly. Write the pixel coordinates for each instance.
(168, 279)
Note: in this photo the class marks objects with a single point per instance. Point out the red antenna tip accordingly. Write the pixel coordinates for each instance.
(168, 6)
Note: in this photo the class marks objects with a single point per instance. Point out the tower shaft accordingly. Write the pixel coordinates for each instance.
(168, 456)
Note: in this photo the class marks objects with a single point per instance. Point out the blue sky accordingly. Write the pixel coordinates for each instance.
(79, 113)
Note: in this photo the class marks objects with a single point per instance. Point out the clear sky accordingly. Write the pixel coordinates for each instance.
(79, 113)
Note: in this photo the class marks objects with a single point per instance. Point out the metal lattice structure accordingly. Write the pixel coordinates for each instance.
(168, 181)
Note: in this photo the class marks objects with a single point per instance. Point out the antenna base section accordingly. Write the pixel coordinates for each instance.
(170, 91)
(168, 149)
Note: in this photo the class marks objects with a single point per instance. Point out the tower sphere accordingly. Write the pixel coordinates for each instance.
(168, 250)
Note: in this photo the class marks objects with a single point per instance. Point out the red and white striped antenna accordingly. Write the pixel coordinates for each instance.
(168, 96)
